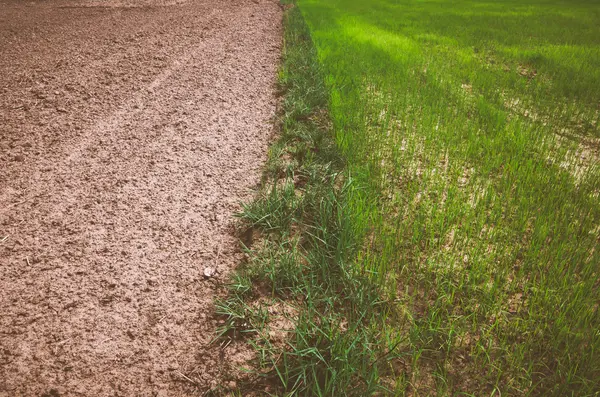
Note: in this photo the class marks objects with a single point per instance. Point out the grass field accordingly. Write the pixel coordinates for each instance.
(430, 218)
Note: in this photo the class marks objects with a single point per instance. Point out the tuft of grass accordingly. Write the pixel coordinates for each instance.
(274, 210)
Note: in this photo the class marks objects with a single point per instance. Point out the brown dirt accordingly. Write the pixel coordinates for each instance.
(129, 133)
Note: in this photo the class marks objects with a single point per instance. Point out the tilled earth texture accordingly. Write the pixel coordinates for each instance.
(130, 131)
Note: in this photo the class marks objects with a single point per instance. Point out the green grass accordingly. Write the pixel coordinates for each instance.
(431, 212)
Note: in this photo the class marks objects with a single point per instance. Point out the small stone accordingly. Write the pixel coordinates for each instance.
(209, 272)
(19, 158)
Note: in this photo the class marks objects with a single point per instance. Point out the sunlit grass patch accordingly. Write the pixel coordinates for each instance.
(475, 124)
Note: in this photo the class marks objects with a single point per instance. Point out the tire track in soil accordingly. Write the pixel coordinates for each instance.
(128, 137)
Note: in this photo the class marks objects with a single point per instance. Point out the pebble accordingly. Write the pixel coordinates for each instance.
(209, 272)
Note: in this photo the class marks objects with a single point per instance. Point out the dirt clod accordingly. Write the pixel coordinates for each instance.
(51, 393)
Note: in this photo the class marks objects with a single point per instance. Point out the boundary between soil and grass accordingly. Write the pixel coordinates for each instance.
(336, 297)
(313, 317)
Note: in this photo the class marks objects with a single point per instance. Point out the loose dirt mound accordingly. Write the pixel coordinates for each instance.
(128, 136)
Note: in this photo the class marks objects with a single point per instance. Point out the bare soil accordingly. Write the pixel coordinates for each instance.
(130, 131)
